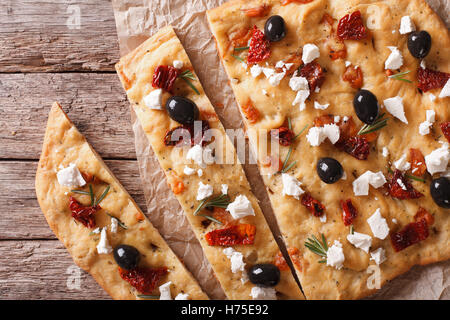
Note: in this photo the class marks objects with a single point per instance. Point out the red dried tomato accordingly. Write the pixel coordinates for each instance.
(316, 208)
(280, 262)
(413, 232)
(283, 135)
(418, 166)
(164, 77)
(187, 135)
(285, 2)
(351, 27)
(400, 188)
(358, 147)
(250, 112)
(259, 11)
(83, 214)
(354, 76)
(296, 257)
(431, 79)
(237, 234)
(322, 120)
(144, 280)
(259, 47)
(445, 127)
(336, 46)
(349, 212)
(240, 37)
(90, 178)
(314, 74)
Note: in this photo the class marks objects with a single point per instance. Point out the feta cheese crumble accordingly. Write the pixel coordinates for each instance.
(255, 70)
(114, 224)
(445, 92)
(164, 291)
(361, 184)
(224, 189)
(259, 293)
(182, 296)
(196, 154)
(406, 25)
(395, 59)
(385, 152)
(317, 135)
(437, 160)
(154, 99)
(236, 259)
(240, 207)
(378, 225)
(103, 246)
(204, 191)
(188, 171)
(379, 256)
(424, 127)
(401, 164)
(310, 52)
(395, 107)
(360, 240)
(291, 186)
(335, 255)
(178, 64)
(298, 83)
(319, 106)
(276, 78)
(70, 177)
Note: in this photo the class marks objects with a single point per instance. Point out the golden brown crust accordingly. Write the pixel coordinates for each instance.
(63, 144)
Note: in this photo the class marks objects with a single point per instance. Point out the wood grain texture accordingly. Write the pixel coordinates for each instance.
(35, 36)
(96, 103)
(20, 214)
(42, 269)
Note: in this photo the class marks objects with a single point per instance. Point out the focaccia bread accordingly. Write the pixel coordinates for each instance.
(68, 169)
(369, 216)
(215, 195)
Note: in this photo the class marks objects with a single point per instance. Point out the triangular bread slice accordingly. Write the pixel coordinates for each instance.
(65, 145)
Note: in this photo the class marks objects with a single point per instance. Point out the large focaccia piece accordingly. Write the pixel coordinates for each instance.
(65, 145)
(305, 24)
(136, 71)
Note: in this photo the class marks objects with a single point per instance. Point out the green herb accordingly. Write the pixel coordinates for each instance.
(301, 131)
(147, 296)
(210, 218)
(241, 48)
(187, 76)
(377, 125)
(120, 223)
(94, 201)
(352, 230)
(91, 193)
(102, 196)
(398, 76)
(81, 192)
(221, 201)
(317, 247)
(408, 176)
(285, 168)
(238, 58)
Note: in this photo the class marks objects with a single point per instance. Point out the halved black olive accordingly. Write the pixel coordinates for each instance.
(182, 110)
(329, 170)
(440, 192)
(264, 275)
(419, 44)
(275, 28)
(127, 257)
(366, 106)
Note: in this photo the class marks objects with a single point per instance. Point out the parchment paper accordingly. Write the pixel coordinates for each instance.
(136, 20)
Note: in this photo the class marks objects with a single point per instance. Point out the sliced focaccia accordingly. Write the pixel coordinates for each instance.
(203, 171)
(352, 193)
(99, 223)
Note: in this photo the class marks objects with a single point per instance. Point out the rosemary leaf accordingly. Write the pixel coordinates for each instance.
(398, 76)
(187, 76)
(91, 193)
(241, 48)
(289, 124)
(415, 178)
(352, 230)
(377, 125)
(238, 58)
(288, 167)
(221, 201)
(81, 192)
(210, 218)
(119, 222)
(301, 131)
(317, 247)
(103, 195)
(191, 85)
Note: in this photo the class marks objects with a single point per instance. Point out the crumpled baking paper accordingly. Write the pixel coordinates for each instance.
(136, 20)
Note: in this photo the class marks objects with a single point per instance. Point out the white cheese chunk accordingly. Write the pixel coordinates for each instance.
(335, 255)
(164, 291)
(178, 64)
(240, 207)
(360, 240)
(432, 97)
(361, 184)
(279, 64)
(401, 164)
(395, 107)
(423, 64)
(255, 70)
(347, 63)
(154, 99)
(445, 92)
(200, 172)
(424, 128)
(379, 256)
(406, 25)
(310, 52)
(236, 259)
(268, 72)
(300, 99)
(337, 119)
(276, 78)
(224, 189)
(259, 293)
(114, 225)
(204, 191)
(319, 106)
(323, 218)
(395, 59)
(182, 296)
(96, 231)
(188, 171)
(298, 83)
(103, 246)
(315, 136)
(431, 116)
(332, 132)
(70, 177)
(378, 225)
(385, 152)
(291, 186)
(437, 160)
(196, 154)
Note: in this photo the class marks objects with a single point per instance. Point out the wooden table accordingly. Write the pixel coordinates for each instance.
(42, 60)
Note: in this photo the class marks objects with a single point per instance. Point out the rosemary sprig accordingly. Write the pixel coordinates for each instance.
(187, 76)
(90, 193)
(210, 218)
(119, 222)
(238, 58)
(81, 192)
(398, 76)
(317, 247)
(352, 230)
(102, 196)
(285, 168)
(408, 176)
(241, 48)
(221, 201)
(377, 125)
(147, 296)
(301, 131)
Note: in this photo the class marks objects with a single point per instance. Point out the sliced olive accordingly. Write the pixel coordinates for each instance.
(419, 44)
(366, 106)
(182, 110)
(275, 28)
(440, 192)
(127, 257)
(264, 275)
(329, 170)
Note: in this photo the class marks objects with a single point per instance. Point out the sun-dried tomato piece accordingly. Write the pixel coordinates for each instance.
(358, 147)
(237, 234)
(280, 262)
(90, 178)
(164, 77)
(188, 135)
(413, 232)
(259, 47)
(418, 166)
(445, 127)
(175, 182)
(431, 79)
(285, 2)
(296, 257)
(313, 205)
(240, 37)
(400, 188)
(250, 112)
(336, 46)
(313, 72)
(349, 212)
(324, 119)
(222, 215)
(354, 76)
(351, 27)
(259, 11)
(83, 214)
(283, 135)
(143, 280)
(347, 128)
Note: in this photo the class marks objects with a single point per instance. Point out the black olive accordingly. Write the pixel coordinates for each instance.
(366, 106)
(440, 192)
(182, 110)
(264, 275)
(275, 28)
(329, 170)
(127, 257)
(419, 44)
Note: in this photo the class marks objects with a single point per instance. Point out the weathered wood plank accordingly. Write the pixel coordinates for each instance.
(20, 214)
(95, 102)
(41, 36)
(43, 269)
